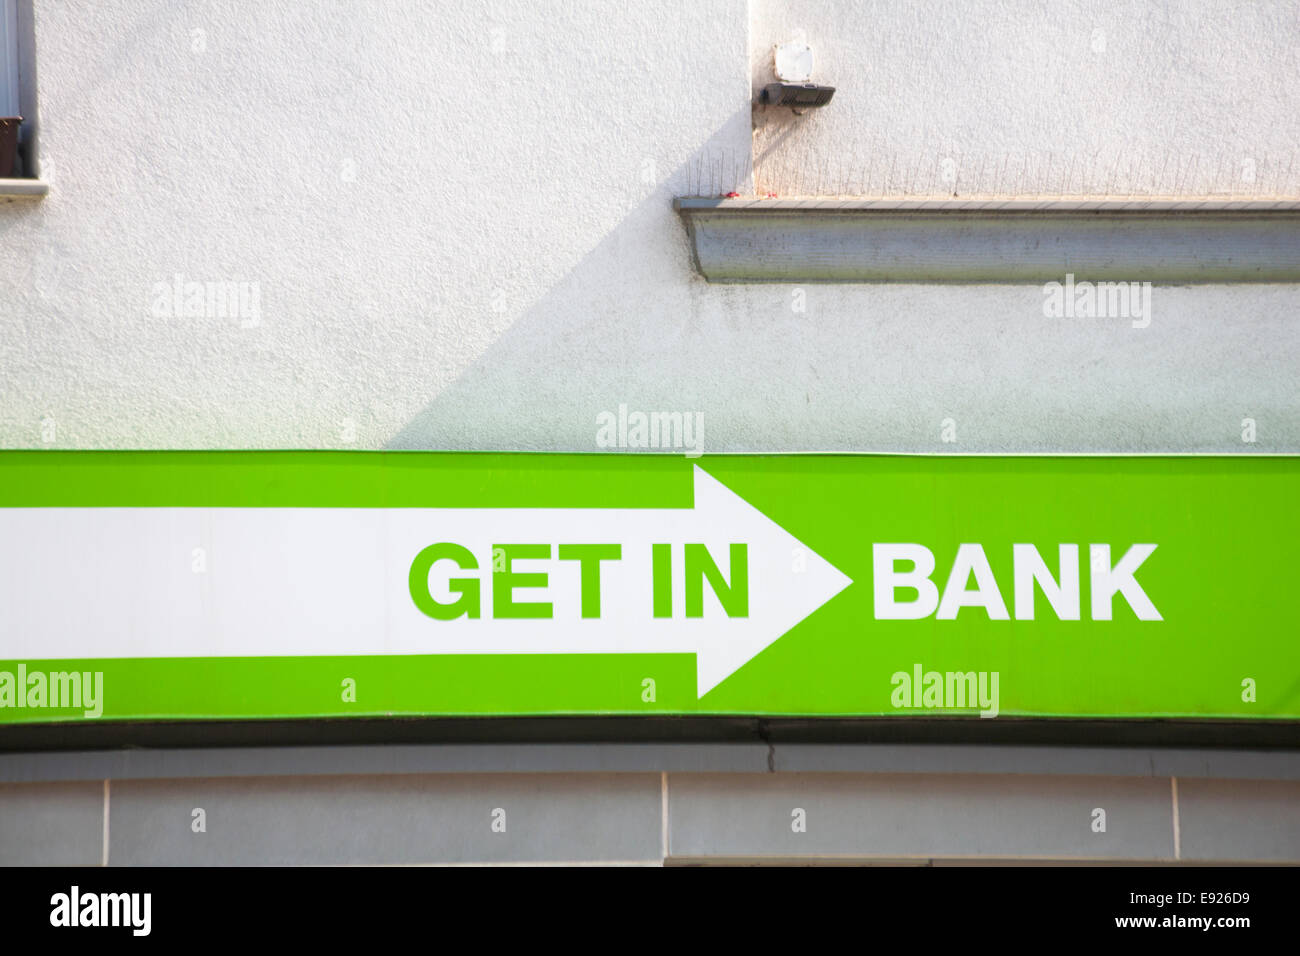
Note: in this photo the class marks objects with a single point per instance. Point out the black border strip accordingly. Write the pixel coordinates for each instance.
(115, 735)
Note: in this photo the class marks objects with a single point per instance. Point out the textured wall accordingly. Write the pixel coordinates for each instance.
(1018, 96)
(459, 226)
(407, 184)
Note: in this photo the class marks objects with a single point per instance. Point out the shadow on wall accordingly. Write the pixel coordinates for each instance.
(624, 326)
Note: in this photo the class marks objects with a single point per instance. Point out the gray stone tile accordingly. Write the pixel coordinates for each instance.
(918, 815)
(52, 824)
(417, 818)
(1239, 820)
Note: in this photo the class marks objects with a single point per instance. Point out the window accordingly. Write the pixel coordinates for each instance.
(9, 58)
(18, 172)
(8, 87)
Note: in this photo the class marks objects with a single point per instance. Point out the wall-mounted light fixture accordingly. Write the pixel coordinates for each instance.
(793, 63)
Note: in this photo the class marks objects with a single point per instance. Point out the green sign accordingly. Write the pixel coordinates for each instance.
(145, 585)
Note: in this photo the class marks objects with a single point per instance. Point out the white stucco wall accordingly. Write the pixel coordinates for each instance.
(459, 224)
(1025, 97)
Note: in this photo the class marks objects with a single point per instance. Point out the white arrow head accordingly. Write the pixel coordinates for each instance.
(787, 582)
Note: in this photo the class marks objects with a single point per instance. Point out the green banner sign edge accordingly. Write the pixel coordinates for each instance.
(37, 478)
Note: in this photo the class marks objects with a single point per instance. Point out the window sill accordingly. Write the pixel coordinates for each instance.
(1006, 240)
(12, 189)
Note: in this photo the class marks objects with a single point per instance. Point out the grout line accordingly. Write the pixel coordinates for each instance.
(103, 859)
(663, 822)
(1178, 833)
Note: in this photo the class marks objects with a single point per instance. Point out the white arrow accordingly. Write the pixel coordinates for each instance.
(258, 582)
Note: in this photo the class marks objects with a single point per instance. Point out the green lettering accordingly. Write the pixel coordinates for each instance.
(662, 558)
(466, 604)
(733, 597)
(504, 581)
(589, 557)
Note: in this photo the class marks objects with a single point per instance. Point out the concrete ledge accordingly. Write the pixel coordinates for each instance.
(1124, 239)
(11, 189)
